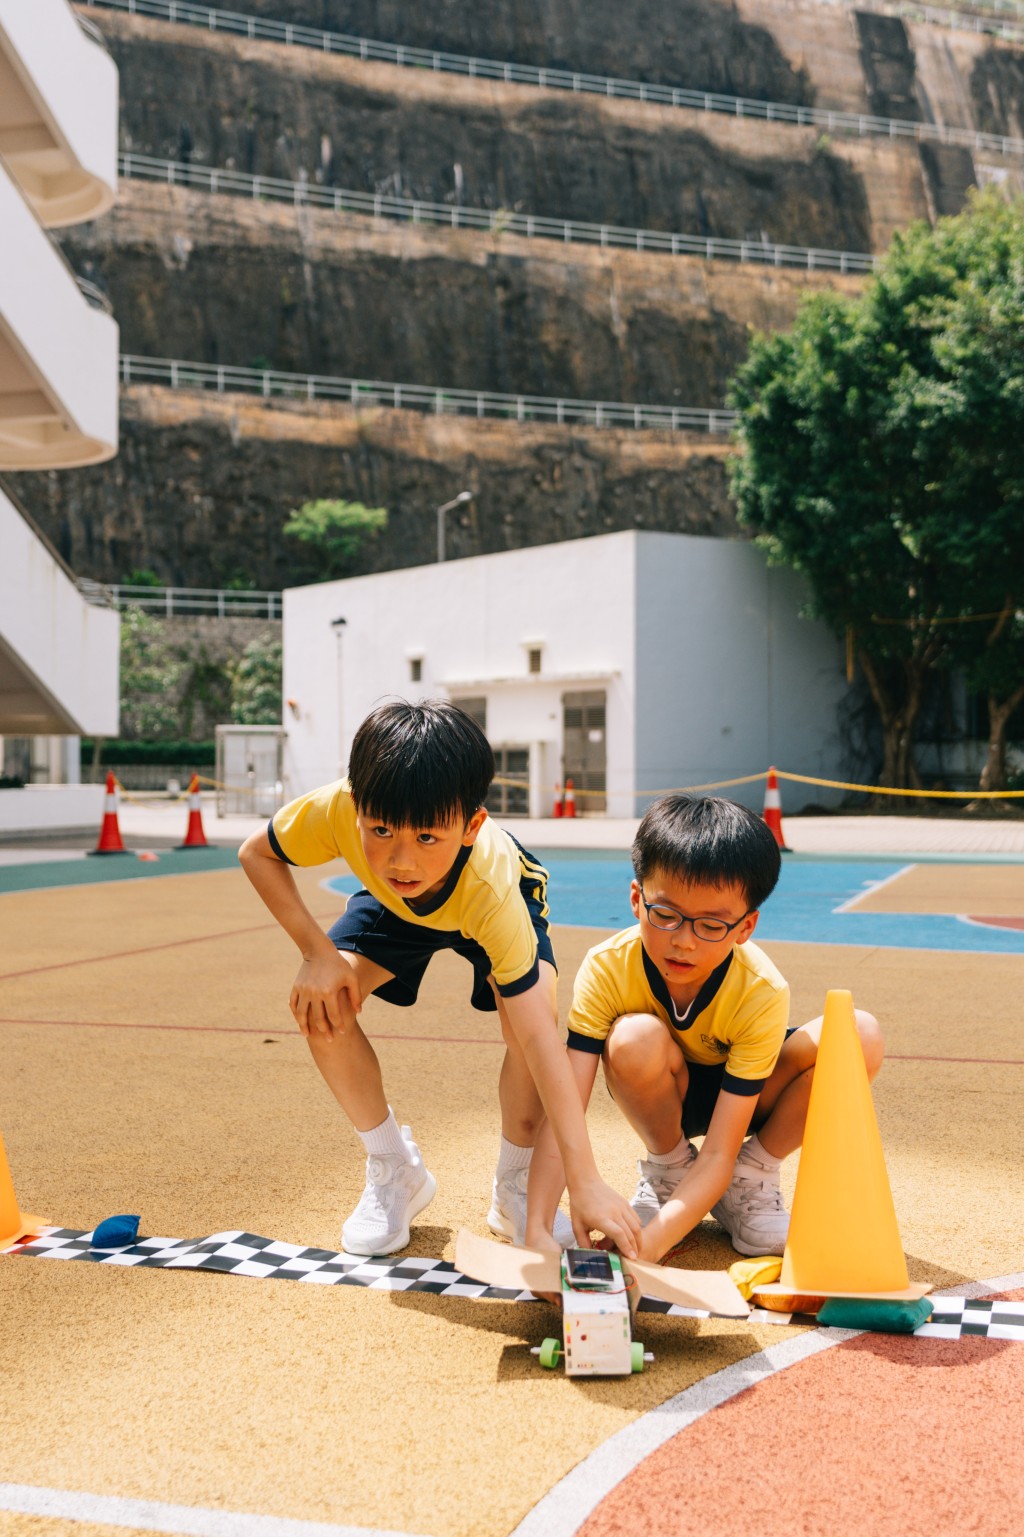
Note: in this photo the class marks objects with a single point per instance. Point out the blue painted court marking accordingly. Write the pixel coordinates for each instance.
(809, 905)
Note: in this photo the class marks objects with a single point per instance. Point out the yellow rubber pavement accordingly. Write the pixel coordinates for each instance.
(149, 1065)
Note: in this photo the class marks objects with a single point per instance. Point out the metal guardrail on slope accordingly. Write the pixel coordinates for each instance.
(369, 49)
(191, 602)
(436, 400)
(496, 221)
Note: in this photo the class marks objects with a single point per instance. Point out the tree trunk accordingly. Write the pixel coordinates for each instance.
(993, 775)
(898, 718)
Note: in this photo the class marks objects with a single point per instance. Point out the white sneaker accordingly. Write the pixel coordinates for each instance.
(657, 1182)
(396, 1191)
(752, 1213)
(507, 1215)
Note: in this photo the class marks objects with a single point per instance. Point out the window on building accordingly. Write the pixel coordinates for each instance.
(415, 669)
(533, 656)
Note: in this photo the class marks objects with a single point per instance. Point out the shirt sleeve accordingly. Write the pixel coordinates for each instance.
(759, 1034)
(308, 831)
(596, 1006)
(505, 932)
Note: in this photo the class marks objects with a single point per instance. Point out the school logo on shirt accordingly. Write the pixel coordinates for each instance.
(714, 1044)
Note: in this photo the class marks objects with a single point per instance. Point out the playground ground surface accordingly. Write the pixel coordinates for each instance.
(149, 1065)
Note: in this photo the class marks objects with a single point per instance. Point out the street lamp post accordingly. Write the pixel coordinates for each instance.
(463, 496)
(338, 626)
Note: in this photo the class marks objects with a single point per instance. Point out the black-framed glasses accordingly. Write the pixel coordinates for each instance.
(663, 916)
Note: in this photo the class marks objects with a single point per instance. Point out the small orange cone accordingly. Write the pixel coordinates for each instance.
(843, 1234)
(195, 838)
(14, 1224)
(570, 799)
(773, 809)
(110, 833)
(556, 810)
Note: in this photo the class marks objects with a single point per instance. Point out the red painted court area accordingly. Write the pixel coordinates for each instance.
(883, 1436)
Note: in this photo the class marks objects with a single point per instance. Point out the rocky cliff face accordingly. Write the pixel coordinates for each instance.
(333, 295)
(292, 113)
(203, 484)
(706, 45)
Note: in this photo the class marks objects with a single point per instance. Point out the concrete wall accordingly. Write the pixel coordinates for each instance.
(470, 623)
(730, 679)
(708, 670)
(58, 654)
(50, 809)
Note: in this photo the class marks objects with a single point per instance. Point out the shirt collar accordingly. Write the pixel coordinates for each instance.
(427, 905)
(659, 987)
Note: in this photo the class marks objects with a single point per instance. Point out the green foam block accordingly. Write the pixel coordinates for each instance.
(881, 1317)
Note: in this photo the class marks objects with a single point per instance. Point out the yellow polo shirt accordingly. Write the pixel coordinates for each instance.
(738, 1018)
(480, 898)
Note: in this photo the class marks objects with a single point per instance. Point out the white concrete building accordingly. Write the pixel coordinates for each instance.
(633, 662)
(58, 399)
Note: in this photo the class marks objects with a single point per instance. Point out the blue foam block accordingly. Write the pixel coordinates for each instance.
(115, 1232)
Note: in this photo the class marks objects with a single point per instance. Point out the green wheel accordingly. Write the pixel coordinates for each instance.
(636, 1355)
(550, 1353)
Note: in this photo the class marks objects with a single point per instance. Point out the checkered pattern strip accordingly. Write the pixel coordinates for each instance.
(955, 1318)
(238, 1253)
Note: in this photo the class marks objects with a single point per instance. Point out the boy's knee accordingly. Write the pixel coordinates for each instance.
(872, 1042)
(639, 1049)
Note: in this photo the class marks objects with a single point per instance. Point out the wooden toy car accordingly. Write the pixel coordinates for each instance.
(599, 1294)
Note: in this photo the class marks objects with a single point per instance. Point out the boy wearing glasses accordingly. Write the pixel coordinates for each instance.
(689, 1020)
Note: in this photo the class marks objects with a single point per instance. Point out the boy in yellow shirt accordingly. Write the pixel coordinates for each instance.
(438, 874)
(690, 1022)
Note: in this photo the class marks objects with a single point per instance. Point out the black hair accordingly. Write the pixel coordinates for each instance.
(709, 841)
(419, 765)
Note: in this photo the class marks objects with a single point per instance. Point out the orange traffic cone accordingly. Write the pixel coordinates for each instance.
(195, 838)
(556, 810)
(843, 1235)
(773, 809)
(110, 833)
(570, 799)
(14, 1224)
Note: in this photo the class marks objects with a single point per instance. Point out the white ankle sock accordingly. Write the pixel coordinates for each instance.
(675, 1157)
(386, 1139)
(752, 1152)
(511, 1158)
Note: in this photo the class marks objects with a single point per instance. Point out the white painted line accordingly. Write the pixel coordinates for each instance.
(565, 1508)
(570, 1502)
(851, 904)
(154, 1516)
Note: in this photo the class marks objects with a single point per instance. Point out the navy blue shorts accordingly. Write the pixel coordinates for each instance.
(367, 927)
(702, 1091)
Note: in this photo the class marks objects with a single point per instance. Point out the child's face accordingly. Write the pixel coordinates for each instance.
(683, 960)
(414, 861)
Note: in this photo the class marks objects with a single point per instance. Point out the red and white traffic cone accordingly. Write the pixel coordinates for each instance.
(195, 838)
(556, 810)
(570, 799)
(773, 809)
(110, 834)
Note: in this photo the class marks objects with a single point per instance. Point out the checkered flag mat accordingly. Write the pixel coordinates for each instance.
(955, 1318)
(238, 1253)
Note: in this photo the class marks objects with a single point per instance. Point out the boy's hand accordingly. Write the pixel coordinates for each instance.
(597, 1207)
(325, 996)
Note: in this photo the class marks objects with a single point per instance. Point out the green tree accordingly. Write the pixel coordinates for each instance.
(256, 683)
(996, 672)
(333, 533)
(882, 455)
(151, 675)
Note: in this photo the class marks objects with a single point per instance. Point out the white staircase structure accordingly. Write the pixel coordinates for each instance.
(58, 398)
